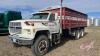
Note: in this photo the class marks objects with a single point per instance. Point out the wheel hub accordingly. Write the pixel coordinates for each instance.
(42, 47)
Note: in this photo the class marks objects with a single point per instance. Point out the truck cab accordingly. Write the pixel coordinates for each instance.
(40, 21)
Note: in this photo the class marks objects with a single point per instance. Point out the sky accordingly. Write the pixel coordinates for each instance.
(90, 7)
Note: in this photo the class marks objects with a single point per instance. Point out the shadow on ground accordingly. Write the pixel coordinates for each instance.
(4, 34)
(64, 39)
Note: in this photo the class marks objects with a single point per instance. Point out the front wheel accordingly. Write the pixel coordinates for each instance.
(40, 46)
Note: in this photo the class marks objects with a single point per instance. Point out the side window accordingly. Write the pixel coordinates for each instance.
(52, 17)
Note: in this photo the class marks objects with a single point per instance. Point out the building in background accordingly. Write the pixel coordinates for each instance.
(90, 22)
(93, 21)
(96, 22)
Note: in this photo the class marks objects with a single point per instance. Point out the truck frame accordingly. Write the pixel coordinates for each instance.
(46, 27)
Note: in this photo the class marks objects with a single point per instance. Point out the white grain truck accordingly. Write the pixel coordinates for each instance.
(45, 27)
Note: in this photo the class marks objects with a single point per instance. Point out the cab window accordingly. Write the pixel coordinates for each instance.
(52, 17)
(40, 16)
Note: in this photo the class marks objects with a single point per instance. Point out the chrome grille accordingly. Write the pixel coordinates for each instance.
(15, 24)
(15, 27)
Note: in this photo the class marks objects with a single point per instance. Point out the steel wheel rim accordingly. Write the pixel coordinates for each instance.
(42, 47)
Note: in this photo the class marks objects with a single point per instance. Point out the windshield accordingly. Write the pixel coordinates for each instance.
(40, 16)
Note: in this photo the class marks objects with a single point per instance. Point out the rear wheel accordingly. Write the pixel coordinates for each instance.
(40, 46)
(77, 34)
(82, 32)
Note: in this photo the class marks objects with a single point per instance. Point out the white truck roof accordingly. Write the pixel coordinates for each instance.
(39, 12)
(49, 8)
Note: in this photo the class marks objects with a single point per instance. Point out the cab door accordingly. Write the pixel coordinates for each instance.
(53, 24)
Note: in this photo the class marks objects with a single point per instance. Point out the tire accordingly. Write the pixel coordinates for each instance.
(77, 34)
(40, 46)
(82, 32)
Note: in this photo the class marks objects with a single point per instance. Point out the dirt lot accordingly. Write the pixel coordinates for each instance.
(87, 46)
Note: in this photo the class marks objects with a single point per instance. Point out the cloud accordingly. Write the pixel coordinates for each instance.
(81, 5)
(84, 5)
(22, 3)
(29, 6)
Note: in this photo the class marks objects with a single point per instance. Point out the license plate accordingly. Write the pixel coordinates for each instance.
(14, 40)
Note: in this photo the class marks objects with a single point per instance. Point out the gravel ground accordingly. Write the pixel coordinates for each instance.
(87, 46)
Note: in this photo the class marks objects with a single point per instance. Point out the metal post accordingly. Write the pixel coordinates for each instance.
(61, 9)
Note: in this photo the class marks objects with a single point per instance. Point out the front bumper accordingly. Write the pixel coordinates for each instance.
(20, 40)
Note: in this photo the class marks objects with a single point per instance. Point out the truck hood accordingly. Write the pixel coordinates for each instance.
(34, 20)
